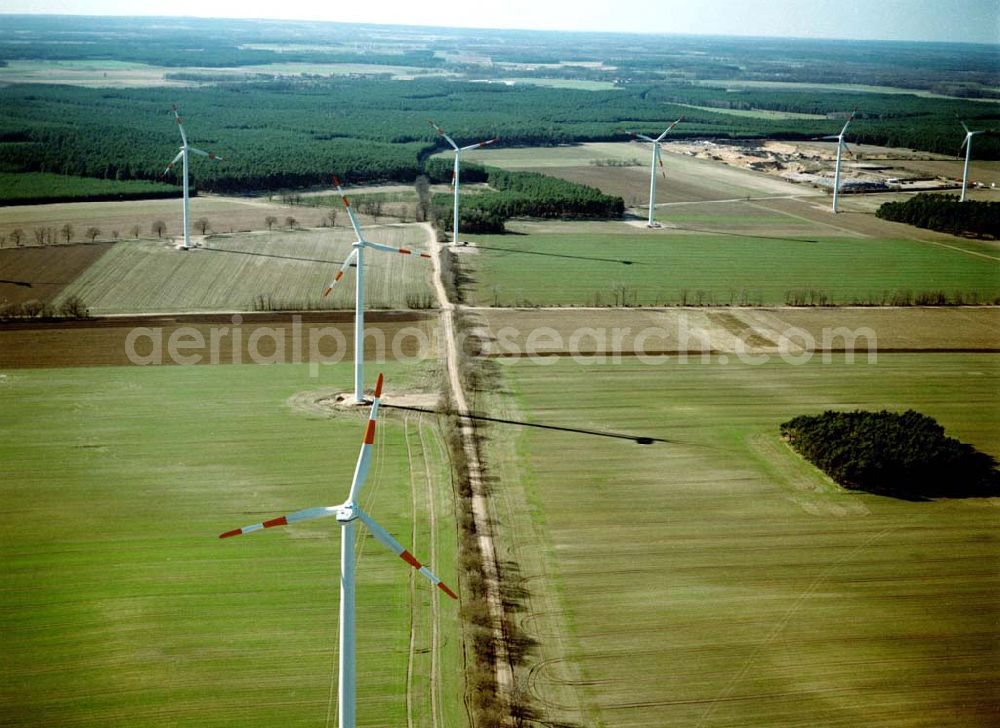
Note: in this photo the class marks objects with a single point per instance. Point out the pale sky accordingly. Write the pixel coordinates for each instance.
(976, 21)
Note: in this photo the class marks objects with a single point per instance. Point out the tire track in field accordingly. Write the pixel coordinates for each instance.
(413, 546)
(435, 604)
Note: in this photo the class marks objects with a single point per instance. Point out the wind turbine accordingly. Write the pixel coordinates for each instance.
(357, 258)
(967, 143)
(455, 170)
(183, 155)
(652, 168)
(347, 514)
(841, 145)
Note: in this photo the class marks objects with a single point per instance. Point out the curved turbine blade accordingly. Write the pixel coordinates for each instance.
(365, 456)
(350, 211)
(303, 515)
(637, 135)
(386, 539)
(351, 260)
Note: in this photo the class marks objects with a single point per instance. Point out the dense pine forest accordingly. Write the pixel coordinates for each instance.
(946, 214)
(281, 129)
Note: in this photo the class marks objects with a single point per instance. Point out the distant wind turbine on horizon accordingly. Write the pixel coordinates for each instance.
(456, 171)
(651, 222)
(183, 154)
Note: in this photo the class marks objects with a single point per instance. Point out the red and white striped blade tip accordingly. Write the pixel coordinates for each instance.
(378, 386)
(444, 587)
(327, 291)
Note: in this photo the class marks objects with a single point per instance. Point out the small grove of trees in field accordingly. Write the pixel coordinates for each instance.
(518, 194)
(946, 214)
(902, 455)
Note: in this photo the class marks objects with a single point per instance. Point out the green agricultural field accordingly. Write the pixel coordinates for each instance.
(721, 580)
(280, 269)
(587, 270)
(120, 605)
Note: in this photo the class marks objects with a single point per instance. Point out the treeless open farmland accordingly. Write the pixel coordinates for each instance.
(722, 581)
(263, 270)
(120, 605)
(41, 273)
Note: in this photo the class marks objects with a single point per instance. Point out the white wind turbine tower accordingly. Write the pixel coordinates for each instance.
(651, 222)
(967, 143)
(183, 154)
(347, 514)
(841, 145)
(357, 258)
(455, 171)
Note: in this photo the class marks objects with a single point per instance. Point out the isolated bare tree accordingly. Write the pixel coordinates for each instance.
(291, 222)
(67, 231)
(376, 209)
(201, 224)
(159, 227)
(332, 217)
(135, 231)
(92, 233)
(17, 236)
(39, 234)
(423, 188)
(114, 235)
(270, 221)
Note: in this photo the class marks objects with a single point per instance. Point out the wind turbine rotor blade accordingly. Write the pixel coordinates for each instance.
(210, 155)
(386, 539)
(441, 133)
(173, 162)
(351, 260)
(350, 210)
(643, 137)
(848, 122)
(180, 126)
(390, 249)
(480, 144)
(964, 126)
(965, 141)
(832, 136)
(304, 515)
(365, 456)
(669, 129)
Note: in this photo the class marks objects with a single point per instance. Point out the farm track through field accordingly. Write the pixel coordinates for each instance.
(480, 504)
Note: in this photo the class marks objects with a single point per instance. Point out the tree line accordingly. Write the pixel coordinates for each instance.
(946, 214)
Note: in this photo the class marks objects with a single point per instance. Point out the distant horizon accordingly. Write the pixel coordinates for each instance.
(966, 22)
(498, 29)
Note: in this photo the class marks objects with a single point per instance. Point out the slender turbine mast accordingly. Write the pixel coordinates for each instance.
(183, 155)
(357, 258)
(967, 143)
(841, 145)
(347, 514)
(455, 171)
(651, 222)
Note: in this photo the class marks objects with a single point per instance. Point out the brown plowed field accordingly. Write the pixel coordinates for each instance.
(241, 338)
(41, 273)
